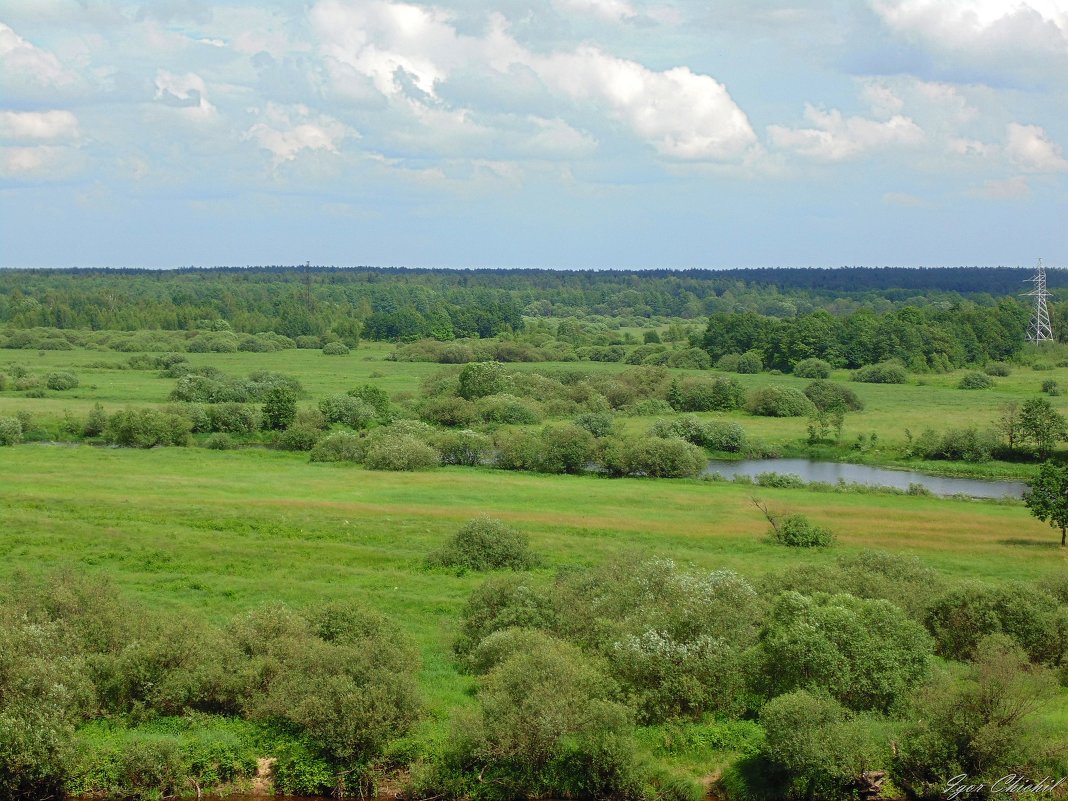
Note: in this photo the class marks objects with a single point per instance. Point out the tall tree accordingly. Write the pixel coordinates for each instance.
(1048, 496)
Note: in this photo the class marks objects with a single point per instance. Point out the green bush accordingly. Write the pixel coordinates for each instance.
(600, 424)
(95, 422)
(714, 434)
(377, 399)
(502, 602)
(982, 726)
(219, 442)
(777, 401)
(886, 373)
(336, 349)
(975, 380)
(341, 446)
(819, 746)
(234, 418)
(812, 368)
(61, 381)
(750, 363)
(797, 531)
(694, 394)
(480, 379)
(565, 449)
(306, 342)
(298, 437)
(689, 359)
(463, 447)
(962, 616)
(347, 410)
(1001, 369)
(448, 410)
(655, 457)
(485, 544)
(508, 409)
(1049, 386)
(867, 654)
(829, 396)
(10, 431)
(401, 452)
(146, 428)
(279, 408)
(498, 646)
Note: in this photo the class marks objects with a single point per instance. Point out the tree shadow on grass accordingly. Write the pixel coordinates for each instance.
(1030, 543)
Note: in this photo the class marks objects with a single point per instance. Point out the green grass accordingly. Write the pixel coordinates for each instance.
(930, 401)
(218, 532)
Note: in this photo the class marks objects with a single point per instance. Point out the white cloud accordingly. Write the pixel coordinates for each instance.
(21, 59)
(36, 125)
(286, 131)
(611, 10)
(682, 114)
(1030, 149)
(187, 92)
(1015, 188)
(38, 162)
(835, 137)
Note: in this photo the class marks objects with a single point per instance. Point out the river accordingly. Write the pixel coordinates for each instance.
(833, 472)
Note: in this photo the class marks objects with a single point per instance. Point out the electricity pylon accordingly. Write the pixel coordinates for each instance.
(1039, 329)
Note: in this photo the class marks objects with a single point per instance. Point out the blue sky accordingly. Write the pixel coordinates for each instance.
(534, 133)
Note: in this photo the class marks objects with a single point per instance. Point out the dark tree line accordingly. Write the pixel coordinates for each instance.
(442, 304)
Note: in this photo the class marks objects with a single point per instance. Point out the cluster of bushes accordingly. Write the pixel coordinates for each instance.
(334, 684)
(485, 544)
(147, 341)
(833, 661)
(715, 435)
(210, 385)
(885, 373)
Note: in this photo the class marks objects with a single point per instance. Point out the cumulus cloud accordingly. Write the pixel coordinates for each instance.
(611, 10)
(39, 162)
(990, 39)
(836, 137)
(37, 125)
(1029, 148)
(186, 92)
(21, 60)
(287, 131)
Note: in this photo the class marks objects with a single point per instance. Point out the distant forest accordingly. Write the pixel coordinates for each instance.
(407, 304)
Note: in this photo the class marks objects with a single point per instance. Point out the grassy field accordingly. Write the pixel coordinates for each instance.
(931, 401)
(218, 532)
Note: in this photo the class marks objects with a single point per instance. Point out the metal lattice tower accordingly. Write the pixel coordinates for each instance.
(1039, 329)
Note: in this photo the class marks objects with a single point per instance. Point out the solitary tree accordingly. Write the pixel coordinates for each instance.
(1041, 425)
(1048, 496)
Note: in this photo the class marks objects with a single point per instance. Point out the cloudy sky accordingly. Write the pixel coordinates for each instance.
(534, 133)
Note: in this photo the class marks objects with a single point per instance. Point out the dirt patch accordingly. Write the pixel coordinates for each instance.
(263, 783)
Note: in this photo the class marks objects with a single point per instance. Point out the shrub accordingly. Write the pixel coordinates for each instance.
(975, 380)
(982, 727)
(347, 410)
(518, 450)
(655, 457)
(864, 653)
(479, 379)
(693, 394)
(548, 726)
(341, 446)
(1001, 369)
(689, 359)
(376, 398)
(10, 431)
(463, 447)
(828, 396)
(776, 401)
(448, 410)
(963, 615)
(812, 368)
(234, 418)
(508, 409)
(600, 424)
(750, 363)
(336, 349)
(298, 437)
(306, 342)
(1049, 386)
(219, 442)
(61, 381)
(146, 428)
(797, 531)
(886, 373)
(502, 602)
(495, 648)
(564, 449)
(401, 452)
(967, 445)
(728, 362)
(279, 408)
(485, 544)
(3, 381)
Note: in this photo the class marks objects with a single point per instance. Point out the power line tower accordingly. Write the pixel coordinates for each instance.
(1039, 329)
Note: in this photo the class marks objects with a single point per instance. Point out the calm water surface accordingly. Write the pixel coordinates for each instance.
(833, 472)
